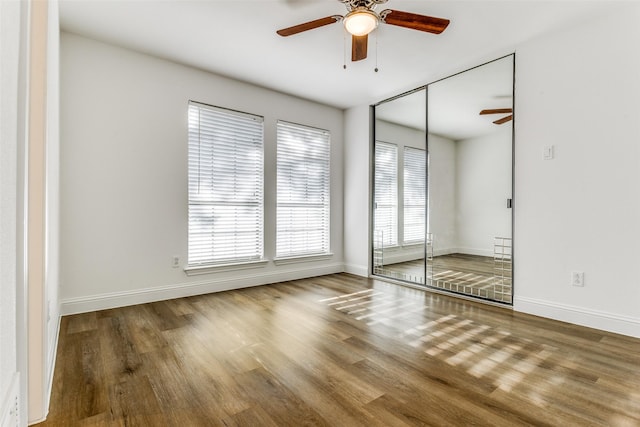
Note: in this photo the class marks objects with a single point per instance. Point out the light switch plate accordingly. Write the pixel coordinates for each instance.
(548, 152)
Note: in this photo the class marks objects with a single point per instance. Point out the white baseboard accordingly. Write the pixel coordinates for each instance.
(160, 293)
(615, 323)
(358, 270)
(53, 352)
(10, 404)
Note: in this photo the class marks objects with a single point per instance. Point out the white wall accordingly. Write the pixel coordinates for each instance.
(483, 185)
(10, 20)
(124, 175)
(357, 190)
(28, 208)
(579, 91)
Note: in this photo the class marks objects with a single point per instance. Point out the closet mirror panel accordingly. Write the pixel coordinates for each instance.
(400, 188)
(442, 184)
(470, 144)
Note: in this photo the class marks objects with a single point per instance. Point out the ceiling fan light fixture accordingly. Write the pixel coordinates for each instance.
(360, 22)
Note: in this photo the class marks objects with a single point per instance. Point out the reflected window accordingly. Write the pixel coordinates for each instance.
(386, 195)
(415, 192)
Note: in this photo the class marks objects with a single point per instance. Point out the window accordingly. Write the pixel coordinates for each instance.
(386, 194)
(225, 185)
(303, 190)
(415, 190)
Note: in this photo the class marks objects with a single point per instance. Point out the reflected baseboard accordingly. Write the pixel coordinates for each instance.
(466, 251)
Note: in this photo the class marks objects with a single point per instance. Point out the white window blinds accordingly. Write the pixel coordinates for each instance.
(225, 185)
(386, 194)
(415, 191)
(302, 190)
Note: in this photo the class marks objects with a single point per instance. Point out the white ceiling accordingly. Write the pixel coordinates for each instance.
(237, 38)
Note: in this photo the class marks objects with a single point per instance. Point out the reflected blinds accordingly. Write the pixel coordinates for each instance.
(386, 194)
(302, 190)
(415, 190)
(225, 185)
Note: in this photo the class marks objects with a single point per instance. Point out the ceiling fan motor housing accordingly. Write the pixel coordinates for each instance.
(368, 4)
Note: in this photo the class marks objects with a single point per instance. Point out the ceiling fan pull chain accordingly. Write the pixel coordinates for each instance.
(376, 36)
(344, 50)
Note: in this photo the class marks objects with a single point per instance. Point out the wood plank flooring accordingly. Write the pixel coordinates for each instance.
(338, 350)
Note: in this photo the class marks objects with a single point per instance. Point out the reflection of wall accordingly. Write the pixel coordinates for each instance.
(402, 136)
(442, 190)
(483, 185)
(469, 182)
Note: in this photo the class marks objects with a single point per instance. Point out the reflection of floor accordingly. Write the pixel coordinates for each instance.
(412, 271)
(462, 273)
(470, 275)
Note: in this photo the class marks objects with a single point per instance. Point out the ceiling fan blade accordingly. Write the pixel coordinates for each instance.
(414, 21)
(496, 111)
(309, 25)
(503, 120)
(359, 47)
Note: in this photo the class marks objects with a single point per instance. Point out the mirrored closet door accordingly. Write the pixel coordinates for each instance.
(443, 179)
(400, 188)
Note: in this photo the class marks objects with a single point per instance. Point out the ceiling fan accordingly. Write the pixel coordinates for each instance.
(503, 120)
(361, 19)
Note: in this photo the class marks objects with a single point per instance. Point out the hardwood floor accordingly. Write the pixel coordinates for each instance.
(338, 350)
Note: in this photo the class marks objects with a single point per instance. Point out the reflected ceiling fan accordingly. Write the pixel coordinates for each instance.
(361, 19)
(503, 120)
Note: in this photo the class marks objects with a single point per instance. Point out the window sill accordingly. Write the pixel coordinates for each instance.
(195, 270)
(301, 258)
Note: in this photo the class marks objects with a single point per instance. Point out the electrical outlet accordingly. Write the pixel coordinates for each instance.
(175, 261)
(577, 278)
